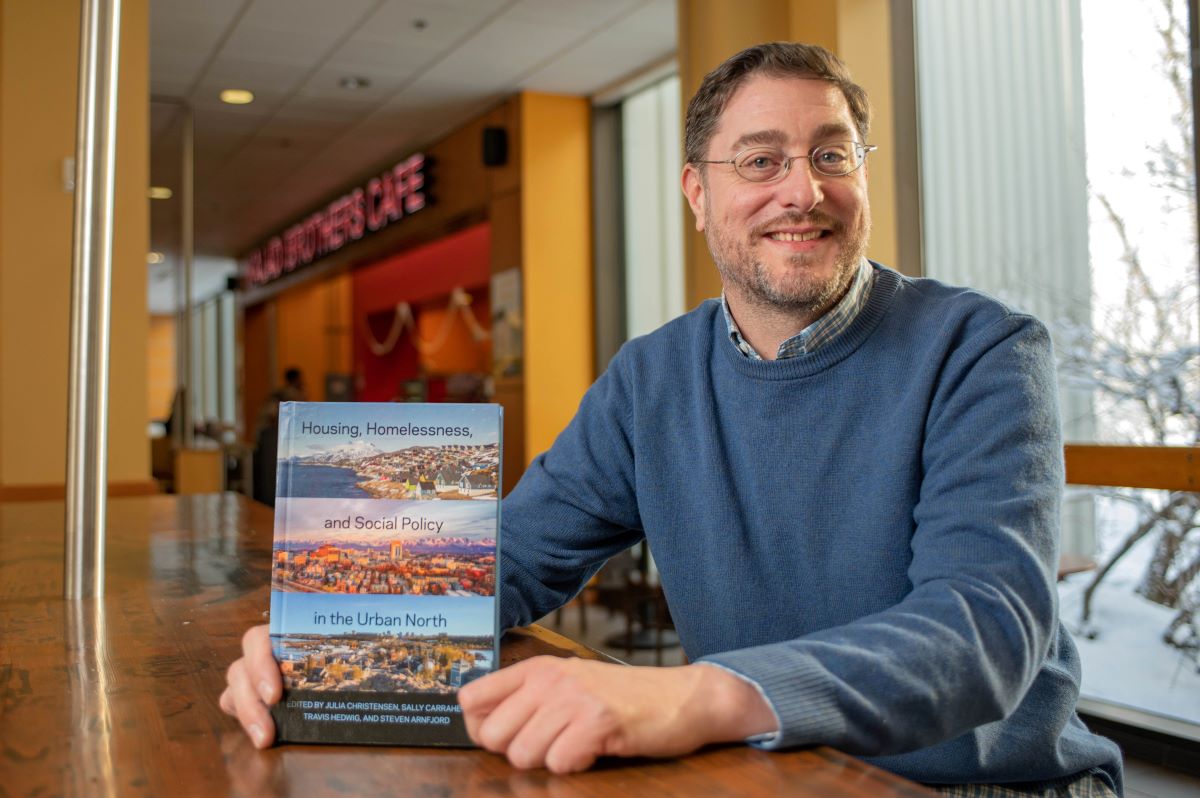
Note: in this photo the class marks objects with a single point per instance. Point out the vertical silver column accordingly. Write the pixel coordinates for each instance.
(91, 284)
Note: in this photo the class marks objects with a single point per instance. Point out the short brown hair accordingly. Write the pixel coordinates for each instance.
(774, 59)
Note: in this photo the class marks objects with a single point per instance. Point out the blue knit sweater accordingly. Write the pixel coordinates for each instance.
(868, 532)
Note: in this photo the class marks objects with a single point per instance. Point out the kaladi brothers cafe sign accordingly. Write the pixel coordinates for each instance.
(384, 200)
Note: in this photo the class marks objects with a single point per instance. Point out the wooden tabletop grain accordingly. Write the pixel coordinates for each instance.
(118, 696)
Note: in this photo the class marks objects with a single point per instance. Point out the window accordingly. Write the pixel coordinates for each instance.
(653, 207)
(1058, 173)
(638, 209)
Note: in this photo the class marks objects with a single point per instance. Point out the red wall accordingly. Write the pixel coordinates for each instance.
(423, 276)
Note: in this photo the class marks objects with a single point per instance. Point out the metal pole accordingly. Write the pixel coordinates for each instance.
(91, 283)
(186, 246)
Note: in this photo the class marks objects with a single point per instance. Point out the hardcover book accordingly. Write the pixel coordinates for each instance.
(384, 568)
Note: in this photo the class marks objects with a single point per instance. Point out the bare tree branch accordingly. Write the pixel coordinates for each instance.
(1146, 527)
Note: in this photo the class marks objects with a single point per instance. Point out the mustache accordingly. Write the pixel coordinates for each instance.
(815, 218)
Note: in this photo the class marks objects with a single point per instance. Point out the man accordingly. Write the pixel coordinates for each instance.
(850, 481)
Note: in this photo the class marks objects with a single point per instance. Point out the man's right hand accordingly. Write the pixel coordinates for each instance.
(252, 684)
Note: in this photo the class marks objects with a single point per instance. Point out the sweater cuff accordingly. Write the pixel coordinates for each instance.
(798, 690)
(766, 739)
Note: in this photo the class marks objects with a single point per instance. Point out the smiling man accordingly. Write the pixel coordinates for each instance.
(850, 480)
(787, 245)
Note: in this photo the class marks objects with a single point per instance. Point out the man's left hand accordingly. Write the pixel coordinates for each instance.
(564, 713)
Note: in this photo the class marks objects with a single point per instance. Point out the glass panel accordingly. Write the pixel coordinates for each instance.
(1139, 356)
(1134, 618)
(1058, 173)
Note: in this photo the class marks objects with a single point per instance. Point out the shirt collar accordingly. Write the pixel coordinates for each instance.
(821, 331)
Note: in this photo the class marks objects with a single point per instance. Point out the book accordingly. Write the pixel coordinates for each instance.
(384, 568)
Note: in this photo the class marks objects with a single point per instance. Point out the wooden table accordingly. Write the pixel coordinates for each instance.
(118, 697)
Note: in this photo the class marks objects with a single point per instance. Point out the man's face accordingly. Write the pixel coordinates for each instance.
(793, 244)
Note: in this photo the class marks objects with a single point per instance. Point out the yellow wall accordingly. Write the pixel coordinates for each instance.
(160, 367)
(38, 73)
(865, 44)
(313, 332)
(557, 267)
(857, 30)
(300, 342)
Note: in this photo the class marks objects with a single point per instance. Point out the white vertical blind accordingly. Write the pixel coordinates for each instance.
(653, 215)
(1003, 171)
(210, 385)
(227, 359)
(196, 386)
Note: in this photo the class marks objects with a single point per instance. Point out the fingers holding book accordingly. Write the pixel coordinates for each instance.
(254, 683)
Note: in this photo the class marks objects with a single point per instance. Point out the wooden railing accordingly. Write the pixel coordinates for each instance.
(1160, 467)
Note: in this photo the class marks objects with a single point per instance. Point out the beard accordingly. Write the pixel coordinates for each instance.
(801, 288)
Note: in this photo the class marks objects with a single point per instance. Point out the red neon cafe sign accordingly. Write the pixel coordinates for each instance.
(384, 200)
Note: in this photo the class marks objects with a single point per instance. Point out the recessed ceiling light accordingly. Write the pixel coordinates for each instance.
(354, 83)
(154, 257)
(159, 192)
(237, 96)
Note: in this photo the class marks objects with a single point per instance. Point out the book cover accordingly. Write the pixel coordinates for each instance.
(384, 568)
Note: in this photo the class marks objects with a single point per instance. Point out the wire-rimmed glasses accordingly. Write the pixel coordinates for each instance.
(768, 164)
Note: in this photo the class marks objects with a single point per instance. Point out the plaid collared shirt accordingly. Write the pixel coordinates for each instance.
(821, 331)
(1089, 785)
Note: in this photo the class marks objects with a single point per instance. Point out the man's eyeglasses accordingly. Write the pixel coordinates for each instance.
(768, 164)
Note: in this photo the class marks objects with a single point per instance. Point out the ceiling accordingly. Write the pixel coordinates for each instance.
(430, 66)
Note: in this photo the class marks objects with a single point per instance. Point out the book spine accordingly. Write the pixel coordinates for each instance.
(283, 471)
(496, 630)
(288, 723)
(284, 463)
